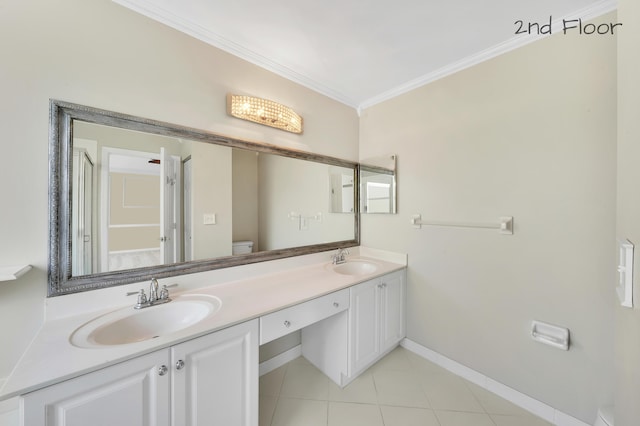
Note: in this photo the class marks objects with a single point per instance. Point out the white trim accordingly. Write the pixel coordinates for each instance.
(140, 250)
(135, 225)
(590, 12)
(280, 360)
(153, 11)
(532, 405)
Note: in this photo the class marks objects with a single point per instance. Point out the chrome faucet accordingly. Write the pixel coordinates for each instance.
(154, 298)
(339, 257)
(153, 290)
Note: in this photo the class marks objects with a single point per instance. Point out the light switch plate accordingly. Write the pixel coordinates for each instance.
(625, 273)
(209, 219)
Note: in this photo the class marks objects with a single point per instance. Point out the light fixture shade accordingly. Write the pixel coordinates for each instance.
(265, 112)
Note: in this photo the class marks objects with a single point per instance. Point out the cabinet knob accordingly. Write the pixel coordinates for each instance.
(179, 364)
(336, 305)
(287, 324)
(162, 370)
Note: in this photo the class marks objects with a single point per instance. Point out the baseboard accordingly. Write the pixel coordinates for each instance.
(280, 360)
(532, 405)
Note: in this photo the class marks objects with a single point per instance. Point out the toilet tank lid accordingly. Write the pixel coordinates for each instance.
(242, 243)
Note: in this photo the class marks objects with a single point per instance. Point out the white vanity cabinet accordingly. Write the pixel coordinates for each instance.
(344, 345)
(210, 380)
(215, 378)
(376, 320)
(132, 393)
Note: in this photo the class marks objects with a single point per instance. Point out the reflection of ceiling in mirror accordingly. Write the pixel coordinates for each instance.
(133, 164)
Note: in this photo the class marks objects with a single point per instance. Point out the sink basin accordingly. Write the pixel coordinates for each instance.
(355, 267)
(128, 325)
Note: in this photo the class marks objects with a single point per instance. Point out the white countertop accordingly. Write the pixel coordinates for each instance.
(51, 358)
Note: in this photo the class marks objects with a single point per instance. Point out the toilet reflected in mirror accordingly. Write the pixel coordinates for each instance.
(242, 247)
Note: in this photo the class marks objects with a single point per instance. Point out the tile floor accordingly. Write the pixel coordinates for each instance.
(402, 389)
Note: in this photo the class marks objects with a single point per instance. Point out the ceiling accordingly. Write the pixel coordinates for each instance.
(363, 52)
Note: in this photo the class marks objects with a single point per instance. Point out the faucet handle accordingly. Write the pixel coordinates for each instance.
(164, 293)
(142, 298)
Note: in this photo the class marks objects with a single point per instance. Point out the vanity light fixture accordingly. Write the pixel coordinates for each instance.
(265, 112)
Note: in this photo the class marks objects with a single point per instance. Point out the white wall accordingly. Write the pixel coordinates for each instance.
(530, 134)
(100, 54)
(627, 357)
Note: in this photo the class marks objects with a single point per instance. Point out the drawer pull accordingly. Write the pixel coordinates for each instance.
(179, 364)
(282, 322)
(162, 370)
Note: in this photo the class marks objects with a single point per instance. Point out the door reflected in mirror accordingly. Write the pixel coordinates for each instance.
(142, 200)
(82, 221)
(342, 191)
(377, 190)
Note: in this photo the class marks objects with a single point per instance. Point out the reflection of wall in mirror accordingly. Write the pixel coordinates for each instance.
(245, 197)
(134, 211)
(211, 195)
(291, 185)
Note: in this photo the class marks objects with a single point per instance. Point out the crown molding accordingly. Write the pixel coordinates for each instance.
(591, 12)
(153, 11)
(157, 13)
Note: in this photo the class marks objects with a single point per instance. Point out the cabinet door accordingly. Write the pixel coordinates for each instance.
(364, 323)
(132, 393)
(215, 378)
(392, 318)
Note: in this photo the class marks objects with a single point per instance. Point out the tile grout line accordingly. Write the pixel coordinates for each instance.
(479, 401)
(412, 365)
(273, 415)
(535, 407)
(433, 410)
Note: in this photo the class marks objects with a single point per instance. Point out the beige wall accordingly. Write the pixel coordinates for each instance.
(211, 194)
(134, 200)
(100, 54)
(289, 185)
(627, 356)
(530, 134)
(245, 196)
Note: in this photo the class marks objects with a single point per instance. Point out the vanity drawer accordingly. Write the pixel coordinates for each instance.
(285, 321)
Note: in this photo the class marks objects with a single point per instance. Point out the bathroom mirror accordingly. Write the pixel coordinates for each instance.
(377, 189)
(132, 198)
